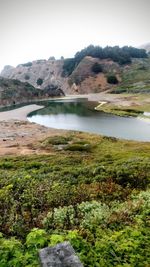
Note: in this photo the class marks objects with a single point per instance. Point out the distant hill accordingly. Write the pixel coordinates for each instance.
(15, 92)
(92, 70)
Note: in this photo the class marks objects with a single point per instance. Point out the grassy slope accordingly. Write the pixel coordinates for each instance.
(80, 169)
(136, 77)
(139, 104)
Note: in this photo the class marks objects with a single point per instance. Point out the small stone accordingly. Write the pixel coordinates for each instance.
(62, 255)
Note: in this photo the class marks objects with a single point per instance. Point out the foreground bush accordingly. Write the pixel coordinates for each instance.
(97, 198)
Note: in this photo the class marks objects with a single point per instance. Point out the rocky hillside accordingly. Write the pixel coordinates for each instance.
(91, 75)
(15, 92)
(44, 73)
(92, 70)
(39, 73)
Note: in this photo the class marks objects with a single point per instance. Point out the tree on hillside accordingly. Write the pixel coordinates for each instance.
(112, 79)
(97, 68)
(39, 81)
(117, 54)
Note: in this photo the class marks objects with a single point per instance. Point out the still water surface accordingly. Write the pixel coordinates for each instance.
(80, 115)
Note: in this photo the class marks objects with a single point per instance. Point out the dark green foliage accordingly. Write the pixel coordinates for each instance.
(112, 79)
(97, 68)
(69, 66)
(78, 147)
(39, 81)
(120, 55)
(98, 199)
(28, 64)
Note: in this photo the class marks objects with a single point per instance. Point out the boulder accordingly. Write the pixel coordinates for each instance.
(62, 255)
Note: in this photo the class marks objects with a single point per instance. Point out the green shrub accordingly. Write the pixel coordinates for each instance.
(97, 68)
(112, 79)
(98, 201)
(39, 81)
(57, 140)
(78, 147)
(28, 64)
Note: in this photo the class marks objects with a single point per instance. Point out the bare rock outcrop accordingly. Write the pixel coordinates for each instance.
(39, 73)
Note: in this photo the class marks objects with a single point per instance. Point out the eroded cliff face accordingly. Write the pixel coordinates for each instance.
(83, 80)
(44, 73)
(39, 73)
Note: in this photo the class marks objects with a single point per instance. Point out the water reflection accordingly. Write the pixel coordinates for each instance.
(81, 116)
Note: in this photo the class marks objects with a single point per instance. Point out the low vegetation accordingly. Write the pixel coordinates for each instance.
(90, 190)
(112, 79)
(28, 64)
(39, 81)
(136, 107)
(136, 78)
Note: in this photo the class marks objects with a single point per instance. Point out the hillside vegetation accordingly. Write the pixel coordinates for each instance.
(136, 77)
(90, 190)
(15, 92)
(120, 55)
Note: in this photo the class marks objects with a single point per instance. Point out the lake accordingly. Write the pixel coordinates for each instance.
(80, 115)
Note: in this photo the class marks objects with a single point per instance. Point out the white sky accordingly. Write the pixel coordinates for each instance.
(38, 29)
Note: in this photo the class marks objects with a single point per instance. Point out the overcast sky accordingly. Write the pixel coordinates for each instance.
(37, 29)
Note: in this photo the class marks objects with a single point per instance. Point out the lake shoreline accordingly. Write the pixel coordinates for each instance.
(102, 99)
(18, 136)
(19, 113)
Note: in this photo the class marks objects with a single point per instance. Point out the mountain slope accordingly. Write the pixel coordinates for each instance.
(39, 73)
(117, 70)
(135, 77)
(44, 73)
(15, 92)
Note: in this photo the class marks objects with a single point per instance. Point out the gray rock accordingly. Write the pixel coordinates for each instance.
(62, 255)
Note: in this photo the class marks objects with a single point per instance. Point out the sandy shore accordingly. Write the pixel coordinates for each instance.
(19, 113)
